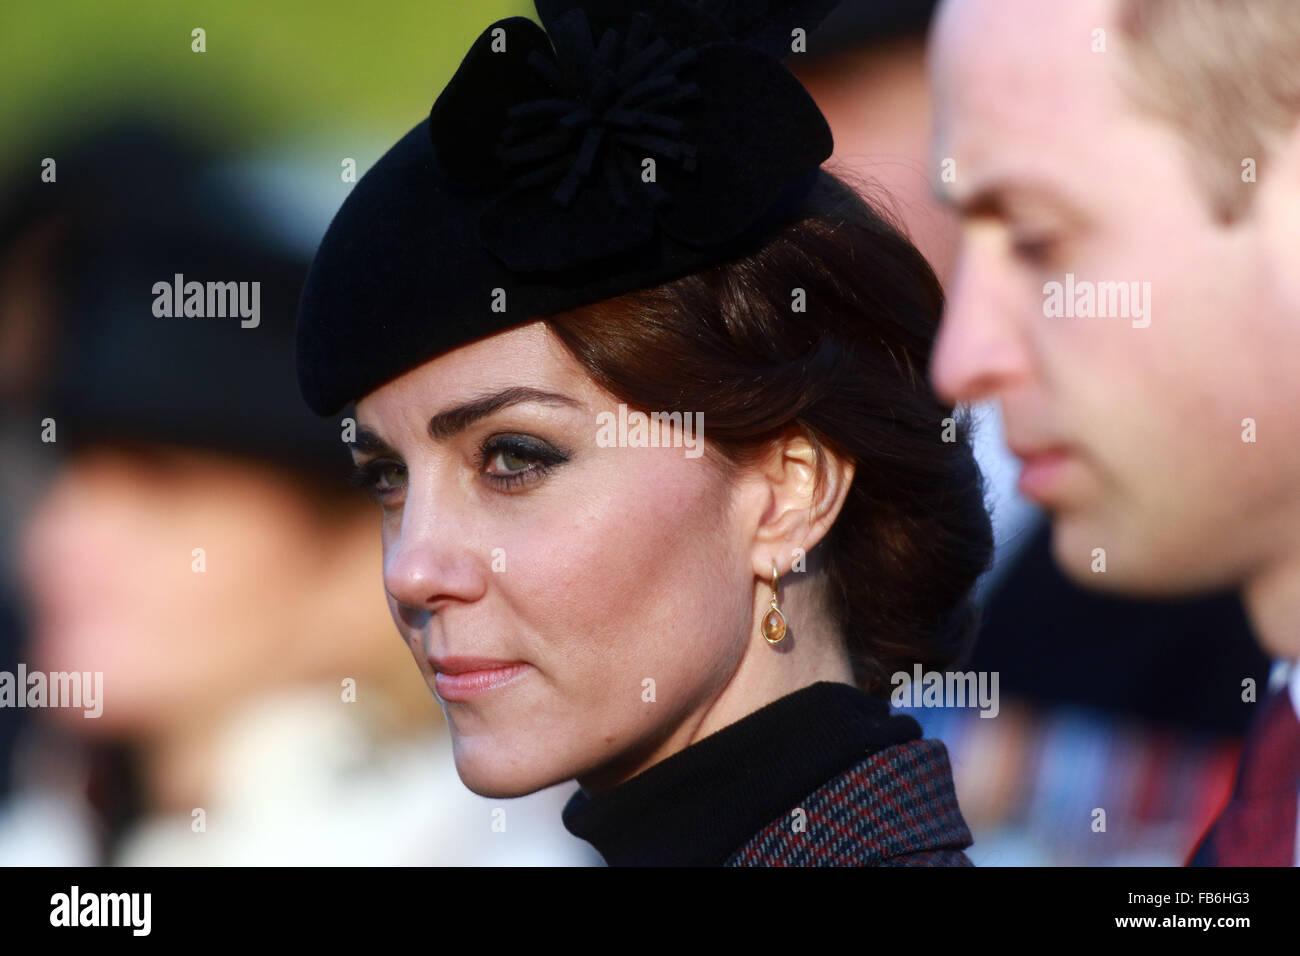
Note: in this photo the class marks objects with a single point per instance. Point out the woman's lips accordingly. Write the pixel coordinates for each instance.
(1042, 472)
(467, 684)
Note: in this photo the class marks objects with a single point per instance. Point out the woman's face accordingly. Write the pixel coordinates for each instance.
(118, 585)
(618, 576)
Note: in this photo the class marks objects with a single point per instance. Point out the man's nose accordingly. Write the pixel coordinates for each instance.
(979, 351)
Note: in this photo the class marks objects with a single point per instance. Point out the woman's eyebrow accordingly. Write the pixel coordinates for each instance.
(447, 423)
(460, 416)
(368, 442)
(456, 419)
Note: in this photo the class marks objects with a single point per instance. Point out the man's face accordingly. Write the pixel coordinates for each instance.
(1130, 417)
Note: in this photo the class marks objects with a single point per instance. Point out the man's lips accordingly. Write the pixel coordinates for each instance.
(1042, 469)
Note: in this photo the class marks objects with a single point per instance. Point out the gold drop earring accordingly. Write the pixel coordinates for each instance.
(774, 621)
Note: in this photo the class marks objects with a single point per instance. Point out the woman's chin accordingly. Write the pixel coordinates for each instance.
(500, 776)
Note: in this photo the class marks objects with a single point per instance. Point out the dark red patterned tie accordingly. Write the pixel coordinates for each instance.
(1258, 826)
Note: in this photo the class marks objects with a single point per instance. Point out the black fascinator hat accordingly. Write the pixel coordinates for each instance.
(626, 144)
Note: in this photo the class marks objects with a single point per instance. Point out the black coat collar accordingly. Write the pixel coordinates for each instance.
(697, 806)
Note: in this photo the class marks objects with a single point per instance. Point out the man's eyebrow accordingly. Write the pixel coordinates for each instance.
(454, 420)
(1000, 198)
(988, 200)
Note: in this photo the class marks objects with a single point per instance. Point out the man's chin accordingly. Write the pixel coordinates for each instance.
(1122, 561)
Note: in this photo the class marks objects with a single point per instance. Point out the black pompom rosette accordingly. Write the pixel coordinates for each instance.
(619, 120)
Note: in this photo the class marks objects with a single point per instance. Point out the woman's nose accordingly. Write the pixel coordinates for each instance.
(433, 561)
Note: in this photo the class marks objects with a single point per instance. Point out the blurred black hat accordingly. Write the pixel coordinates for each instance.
(627, 143)
(134, 207)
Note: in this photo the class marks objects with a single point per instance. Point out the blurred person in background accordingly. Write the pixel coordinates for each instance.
(1107, 700)
(1154, 146)
(195, 543)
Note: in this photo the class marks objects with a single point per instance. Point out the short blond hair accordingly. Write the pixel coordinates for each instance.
(1226, 74)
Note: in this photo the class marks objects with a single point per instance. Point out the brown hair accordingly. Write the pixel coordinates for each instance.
(1225, 74)
(850, 372)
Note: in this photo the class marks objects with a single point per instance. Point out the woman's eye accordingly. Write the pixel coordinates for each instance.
(514, 462)
(378, 479)
(509, 460)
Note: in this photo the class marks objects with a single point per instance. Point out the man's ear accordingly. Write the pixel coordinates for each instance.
(805, 484)
(1277, 208)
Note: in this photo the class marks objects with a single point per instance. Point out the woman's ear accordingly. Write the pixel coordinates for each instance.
(804, 485)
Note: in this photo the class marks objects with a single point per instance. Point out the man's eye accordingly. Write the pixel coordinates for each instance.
(1034, 250)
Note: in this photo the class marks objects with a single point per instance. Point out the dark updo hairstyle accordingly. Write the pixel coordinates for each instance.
(851, 373)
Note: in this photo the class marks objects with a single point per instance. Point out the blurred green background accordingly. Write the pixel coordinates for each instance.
(274, 72)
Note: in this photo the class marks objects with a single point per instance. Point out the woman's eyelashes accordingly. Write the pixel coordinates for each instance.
(516, 461)
(369, 476)
(506, 462)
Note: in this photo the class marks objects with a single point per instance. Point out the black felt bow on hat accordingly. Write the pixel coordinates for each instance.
(645, 118)
(626, 144)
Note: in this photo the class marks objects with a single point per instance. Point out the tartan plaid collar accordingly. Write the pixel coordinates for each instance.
(895, 807)
(699, 805)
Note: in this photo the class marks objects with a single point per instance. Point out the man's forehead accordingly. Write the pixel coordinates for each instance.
(1021, 84)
